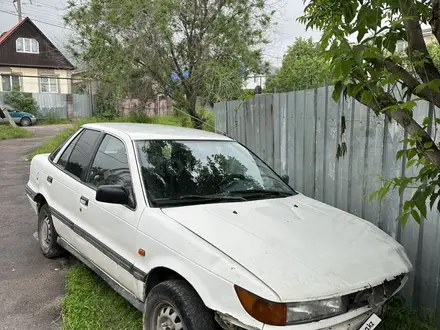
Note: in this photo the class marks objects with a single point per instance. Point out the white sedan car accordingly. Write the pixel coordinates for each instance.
(200, 234)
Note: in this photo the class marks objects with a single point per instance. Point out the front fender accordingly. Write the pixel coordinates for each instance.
(211, 273)
(216, 293)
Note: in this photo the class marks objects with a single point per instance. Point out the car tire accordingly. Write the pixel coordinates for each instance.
(25, 121)
(176, 304)
(47, 235)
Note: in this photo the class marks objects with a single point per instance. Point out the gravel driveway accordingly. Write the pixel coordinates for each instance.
(31, 286)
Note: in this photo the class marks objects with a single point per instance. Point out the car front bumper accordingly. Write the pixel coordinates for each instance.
(33, 121)
(348, 321)
(352, 320)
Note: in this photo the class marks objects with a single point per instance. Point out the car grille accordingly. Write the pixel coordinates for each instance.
(375, 295)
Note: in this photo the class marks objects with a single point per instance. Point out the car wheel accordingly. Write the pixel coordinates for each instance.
(25, 121)
(47, 235)
(174, 305)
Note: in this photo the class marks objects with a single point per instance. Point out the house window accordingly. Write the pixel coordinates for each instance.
(10, 82)
(27, 45)
(49, 85)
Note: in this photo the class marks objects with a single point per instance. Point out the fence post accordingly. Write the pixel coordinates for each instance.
(69, 104)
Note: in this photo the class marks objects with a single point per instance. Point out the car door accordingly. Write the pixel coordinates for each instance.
(15, 115)
(112, 227)
(63, 183)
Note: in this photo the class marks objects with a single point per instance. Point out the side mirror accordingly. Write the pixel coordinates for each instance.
(113, 195)
(285, 178)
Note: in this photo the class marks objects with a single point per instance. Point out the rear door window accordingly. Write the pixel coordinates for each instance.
(81, 153)
(62, 161)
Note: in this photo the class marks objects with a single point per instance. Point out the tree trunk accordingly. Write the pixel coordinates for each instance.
(192, 110)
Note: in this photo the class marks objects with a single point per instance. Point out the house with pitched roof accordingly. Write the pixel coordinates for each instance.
(30, 62)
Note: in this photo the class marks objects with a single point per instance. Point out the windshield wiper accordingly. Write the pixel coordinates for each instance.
(195, 199)
(261, 192)
(212, 197)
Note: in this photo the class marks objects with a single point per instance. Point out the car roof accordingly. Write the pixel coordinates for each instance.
(137, 131)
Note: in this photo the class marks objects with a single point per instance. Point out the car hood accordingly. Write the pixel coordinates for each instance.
(302, 249)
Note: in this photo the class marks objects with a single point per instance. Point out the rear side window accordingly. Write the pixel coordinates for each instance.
(57, 149)
(81, 153)
(62, 161)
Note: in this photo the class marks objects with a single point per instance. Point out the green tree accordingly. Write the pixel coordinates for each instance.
(304, 66)
(21, 101)
(366, 68)
(434, 51)
(137, 45)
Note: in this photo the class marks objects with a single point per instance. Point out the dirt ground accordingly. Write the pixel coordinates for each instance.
(31, 286)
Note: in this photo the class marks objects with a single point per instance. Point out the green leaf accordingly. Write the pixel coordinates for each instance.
(432, 199)
(346, 67)
(361, 33)
(421, 205)
(420, 88)
(403, 218)
(366, 97)
(416, 216)
(411, 163)
(400, 154)
(428, 145)
(373, 195)
(372, 18)
(336, 95)
(370, 52)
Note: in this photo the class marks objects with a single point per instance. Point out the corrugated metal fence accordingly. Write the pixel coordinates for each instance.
(57, 105)
(51, 105)
(298, 132)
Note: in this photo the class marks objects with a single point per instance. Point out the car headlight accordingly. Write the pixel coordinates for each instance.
(315, 310)
(273, 313)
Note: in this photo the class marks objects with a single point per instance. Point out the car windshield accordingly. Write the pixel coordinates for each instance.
(194, 172)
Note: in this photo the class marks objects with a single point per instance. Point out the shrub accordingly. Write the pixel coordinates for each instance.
(21, 101)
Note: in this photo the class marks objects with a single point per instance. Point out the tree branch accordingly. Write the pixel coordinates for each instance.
(404, 119)
(435, 19)
(409, 81)
(417, 50)
(403, 75)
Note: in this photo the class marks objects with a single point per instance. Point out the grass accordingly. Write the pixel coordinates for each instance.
(9, 132)
(52, 121)
(401, 317)
(91, 304)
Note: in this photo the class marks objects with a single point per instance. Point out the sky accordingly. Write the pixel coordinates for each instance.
(47, 15)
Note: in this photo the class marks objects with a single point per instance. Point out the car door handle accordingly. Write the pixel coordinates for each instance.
(49, 179)
(84, 201)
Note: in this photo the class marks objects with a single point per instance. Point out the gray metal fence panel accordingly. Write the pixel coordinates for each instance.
(51, 105)
(290, 139)
(82, 105)
(298, 134)
(320, 148)
(276, 110)
(283, 132)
